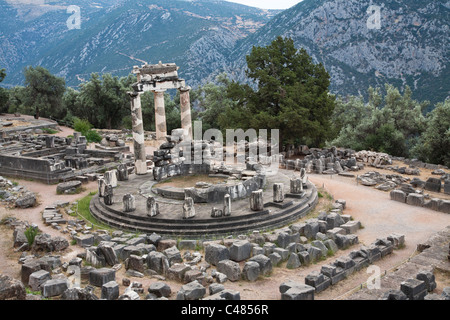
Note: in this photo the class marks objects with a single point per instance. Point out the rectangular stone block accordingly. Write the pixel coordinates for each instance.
(240, 250)
(447, 186)
(444, 206)
(99, 277)
(299, 292)
(310, 230)
(304, 257)
(415, 199)
(110, 290)
(398, 240)
(433, 184)
(351, 227)
(414, 289)
(373, 253)
(333, 232)
(37, 279)
(55, 287)
(398, 195)
(177, 272)
(317, 280)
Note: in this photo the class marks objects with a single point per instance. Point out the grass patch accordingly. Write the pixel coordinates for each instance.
(35, 293)
(49, 130)
(83, 210)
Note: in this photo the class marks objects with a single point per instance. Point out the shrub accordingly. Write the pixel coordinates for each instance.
(30, 234)
(93, 136)
(81, 125)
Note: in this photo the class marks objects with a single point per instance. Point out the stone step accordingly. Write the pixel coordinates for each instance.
(209, 227)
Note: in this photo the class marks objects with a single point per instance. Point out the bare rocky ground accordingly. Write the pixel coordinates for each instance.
(378, 214)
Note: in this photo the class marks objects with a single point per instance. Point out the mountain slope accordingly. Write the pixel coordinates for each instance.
(206, 37)
(115, 35)
(411, 47)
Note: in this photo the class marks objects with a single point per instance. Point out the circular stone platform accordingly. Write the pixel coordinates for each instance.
(171, 223)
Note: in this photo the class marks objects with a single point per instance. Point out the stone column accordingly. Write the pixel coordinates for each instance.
(109, 195)
(138, 134)
(152, 207)
(216, 213)
(256, 200)
(278, 192)
(111, 177)
(122, 172)
(303, 175)
(50, 141)
(128, 203)
(296, 186)
(227, 205)
(185, 108)
(188, 208)
(160, 115)
(76, 136)
(101, 187)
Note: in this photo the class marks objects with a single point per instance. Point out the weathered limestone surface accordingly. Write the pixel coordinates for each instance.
(111, 177)
(256, 200)
(226, 205)
(138, 134)
(188, 208)
(278, 192)
(160, 115)
(152, 207)
(108, 195)
(296, 186)
(129, 203)
(185, 107)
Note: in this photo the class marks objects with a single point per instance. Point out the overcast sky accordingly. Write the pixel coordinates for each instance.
(268, 4)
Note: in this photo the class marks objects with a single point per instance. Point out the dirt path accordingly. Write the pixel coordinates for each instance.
(46, 197)
(380, 217)
(378, 214)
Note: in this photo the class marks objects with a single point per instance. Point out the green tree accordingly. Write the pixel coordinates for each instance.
(4, 96)
(104, 101)
(172, 109)
(391, 123)
(213, 102)
(291, 94)
(44, 92)
(434, 144)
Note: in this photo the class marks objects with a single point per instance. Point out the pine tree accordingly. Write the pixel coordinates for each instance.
(291, 95)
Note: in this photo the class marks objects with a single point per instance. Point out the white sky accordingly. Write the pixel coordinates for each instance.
(268, 4)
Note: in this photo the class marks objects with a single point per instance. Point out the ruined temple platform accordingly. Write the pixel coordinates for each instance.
(170, 221)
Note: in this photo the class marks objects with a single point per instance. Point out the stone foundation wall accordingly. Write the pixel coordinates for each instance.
(31, 168)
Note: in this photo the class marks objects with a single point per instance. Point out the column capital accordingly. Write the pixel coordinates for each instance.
(184, 89)
(133, 94)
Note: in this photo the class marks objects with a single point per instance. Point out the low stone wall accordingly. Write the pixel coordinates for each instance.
(31, 168)
(330, 274)
(419, 200)
(164, 172)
